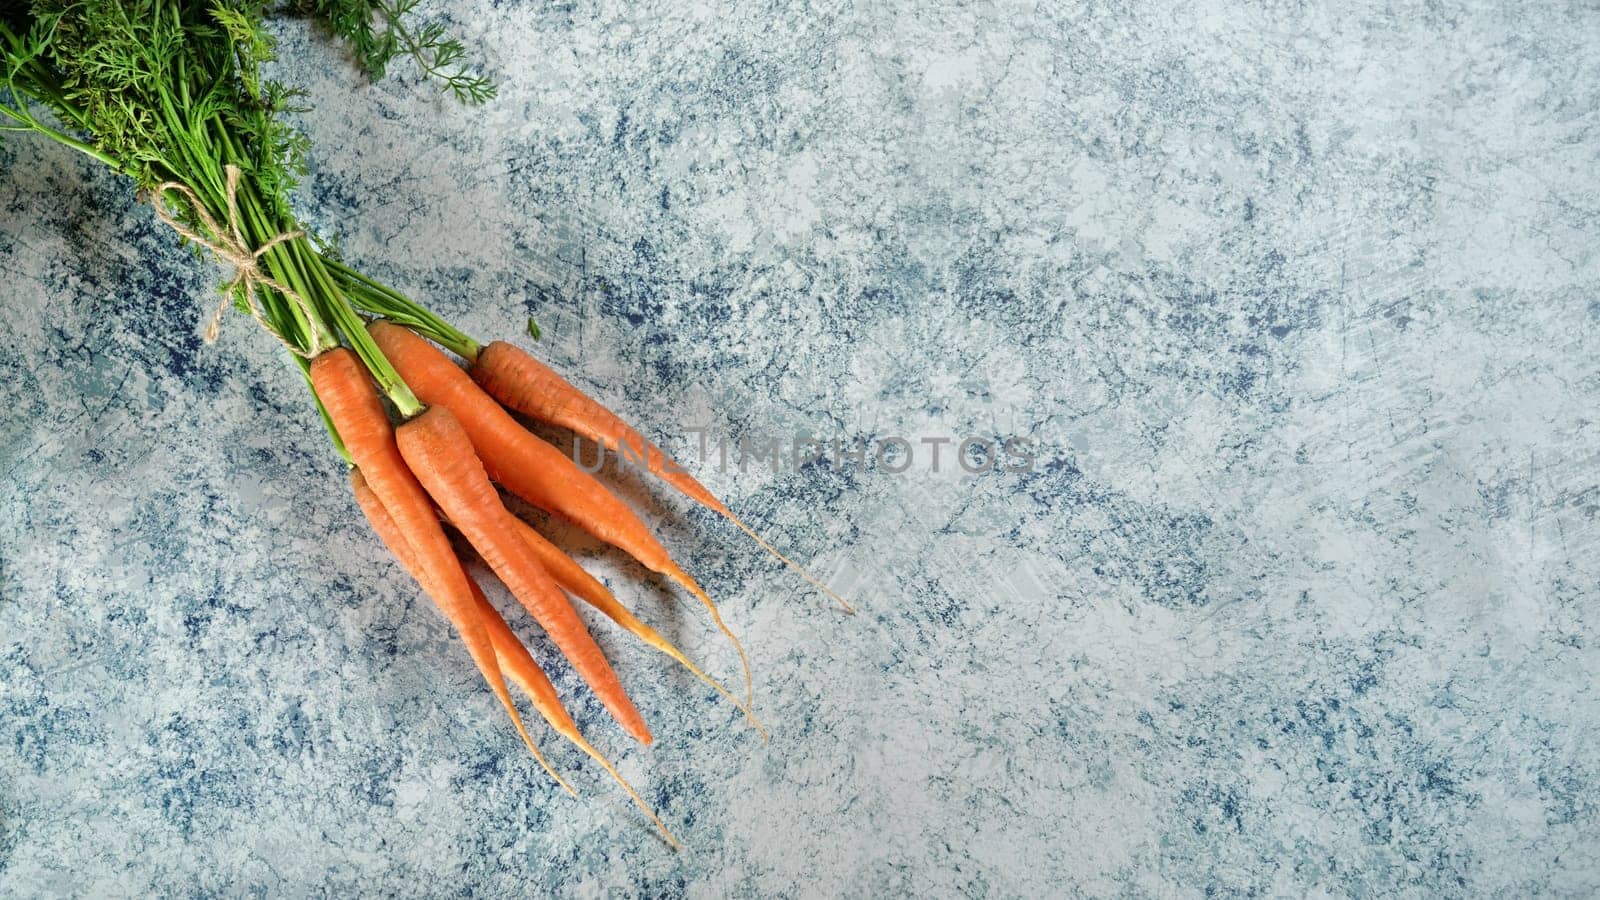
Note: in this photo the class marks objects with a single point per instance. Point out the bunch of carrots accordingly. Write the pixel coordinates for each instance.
(170, 94)
(439, 466)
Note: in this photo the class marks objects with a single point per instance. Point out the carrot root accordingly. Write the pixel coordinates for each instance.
(442, 457)
(512, 376)
(677, 574)
(638, 801)
(809, 579)
(392, 537)
(527, 675)
(529, 467)
(577, 581)
(667, 647)
(550, 770)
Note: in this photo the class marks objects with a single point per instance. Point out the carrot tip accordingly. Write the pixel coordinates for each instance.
(677, 574)
(633, 795)
(528, 739)
(749, 713)
(672, 651)
(790, 563)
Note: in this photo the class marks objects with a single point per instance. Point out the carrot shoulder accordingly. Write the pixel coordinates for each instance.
(439, 452)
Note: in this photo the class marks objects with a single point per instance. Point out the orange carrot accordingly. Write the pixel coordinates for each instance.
(357, 414)
(513, 657)
(532, 388)
(579, 583)
(520, 665)
(531, 468)
(389, 533)
(440, 454)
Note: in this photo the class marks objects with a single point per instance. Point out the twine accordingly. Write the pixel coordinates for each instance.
(229, 246)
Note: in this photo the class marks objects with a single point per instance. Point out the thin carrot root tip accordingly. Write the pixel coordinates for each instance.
(638, 801)
(744, 661)
(791, 564)
(695, 670)
(546, 764)
(755, 723)
(681, 577)
(749, 713)
(534, 748)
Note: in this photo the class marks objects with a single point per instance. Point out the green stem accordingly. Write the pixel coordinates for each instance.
(355, 331)
(297, 265)
(310, 317)
(32, 124)
(260, 227)
(282, 265)
(386, 301)
(43, 83)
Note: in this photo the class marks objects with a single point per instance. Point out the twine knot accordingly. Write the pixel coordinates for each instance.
(229, 245)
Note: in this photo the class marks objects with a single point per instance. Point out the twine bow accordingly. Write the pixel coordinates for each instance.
(230, 246)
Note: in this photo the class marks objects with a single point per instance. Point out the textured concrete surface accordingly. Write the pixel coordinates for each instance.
(1297, 306)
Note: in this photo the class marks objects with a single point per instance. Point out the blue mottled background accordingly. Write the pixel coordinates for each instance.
(1297, 302)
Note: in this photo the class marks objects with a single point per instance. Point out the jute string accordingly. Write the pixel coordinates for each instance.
(229, 246)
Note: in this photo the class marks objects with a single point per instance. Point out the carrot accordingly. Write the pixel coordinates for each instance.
(519, 663)
(389, 533)
(342, 385)
(440, 454)
(532, 388)
(579, 583)
(513, 657)
(534, 470)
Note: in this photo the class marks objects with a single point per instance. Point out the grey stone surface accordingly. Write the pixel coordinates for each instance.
(1296, 303)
